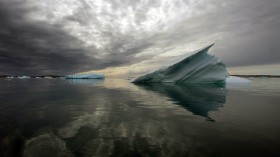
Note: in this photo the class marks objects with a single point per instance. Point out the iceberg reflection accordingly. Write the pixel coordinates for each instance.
(86, 81)
(200, 99)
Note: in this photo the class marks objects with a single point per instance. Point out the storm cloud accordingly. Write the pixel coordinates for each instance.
(69, 36)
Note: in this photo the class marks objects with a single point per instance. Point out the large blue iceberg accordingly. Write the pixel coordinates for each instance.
(198, 67)
(85, 76)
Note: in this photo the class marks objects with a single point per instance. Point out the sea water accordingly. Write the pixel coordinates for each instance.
(112, 117)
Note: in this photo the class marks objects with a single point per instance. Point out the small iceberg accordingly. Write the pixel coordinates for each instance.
(85, 76)
(48, 77)
(10, 77)
(23, 77)
(237, 80)
(198, 67)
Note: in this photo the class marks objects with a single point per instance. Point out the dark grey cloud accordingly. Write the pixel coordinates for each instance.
(62, 37)
(245, 33)
(28, 47)
(38, 48)
(251, 33)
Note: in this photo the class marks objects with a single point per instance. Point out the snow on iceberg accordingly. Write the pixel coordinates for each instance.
(198, 67)
(85, 76)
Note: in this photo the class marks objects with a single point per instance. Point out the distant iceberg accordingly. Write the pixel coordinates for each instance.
(10, 77)
(237, 80)
(85, 76)
(198, 67)
(23, 77)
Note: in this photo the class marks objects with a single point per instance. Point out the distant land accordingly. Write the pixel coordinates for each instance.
(39, 76)
(57, 76)
(257, 76)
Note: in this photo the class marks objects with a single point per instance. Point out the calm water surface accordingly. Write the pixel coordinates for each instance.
(92, 118)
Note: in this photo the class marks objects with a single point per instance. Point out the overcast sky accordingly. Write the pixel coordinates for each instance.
(127, 37)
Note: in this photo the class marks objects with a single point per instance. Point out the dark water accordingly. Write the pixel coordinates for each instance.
(90, 118)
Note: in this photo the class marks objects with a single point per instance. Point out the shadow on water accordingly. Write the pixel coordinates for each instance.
(200, 99)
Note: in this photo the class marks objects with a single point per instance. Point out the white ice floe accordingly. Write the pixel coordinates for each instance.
(237, 80)
(85, 76)
(198, 67)
(10, 77)
(23, 77)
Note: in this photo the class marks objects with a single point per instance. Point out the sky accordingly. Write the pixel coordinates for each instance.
(129, 37)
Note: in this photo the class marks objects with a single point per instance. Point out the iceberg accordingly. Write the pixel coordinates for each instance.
(10, 77)
(23, 77)
(85, 76)
(237, 80)
(197, 67)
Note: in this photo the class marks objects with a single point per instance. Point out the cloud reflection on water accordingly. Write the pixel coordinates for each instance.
(109, 118)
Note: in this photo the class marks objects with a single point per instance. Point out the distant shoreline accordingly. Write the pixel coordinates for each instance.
(258, 76)
(40, 76)
(56, 76)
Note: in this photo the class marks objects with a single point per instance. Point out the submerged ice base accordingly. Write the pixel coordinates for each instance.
(85, 76)
(199, 67)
